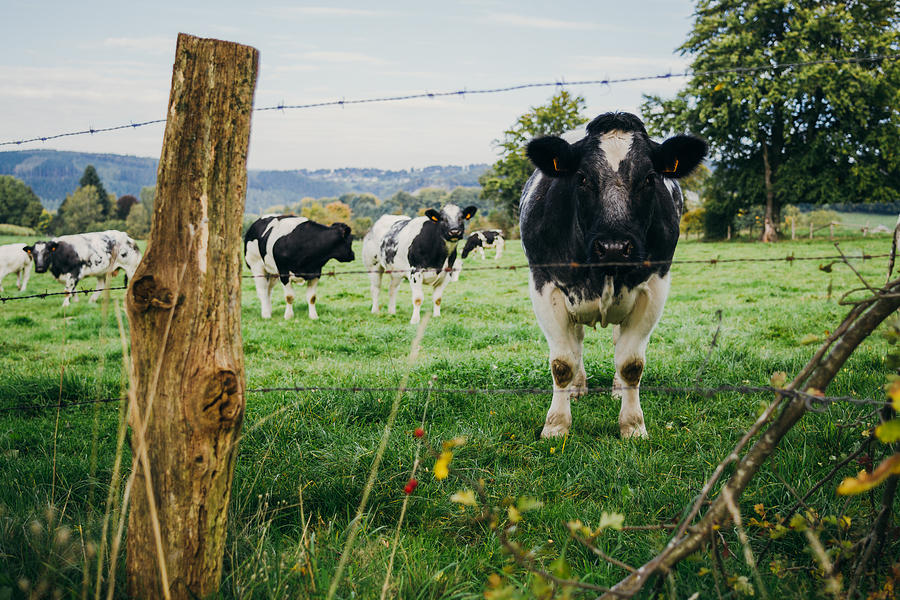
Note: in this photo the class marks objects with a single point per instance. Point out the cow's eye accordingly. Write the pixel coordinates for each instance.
(650, 180)
(582, 180)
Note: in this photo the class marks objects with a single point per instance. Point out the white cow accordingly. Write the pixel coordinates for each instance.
(14, 259)
(71, 258)
(421, 249)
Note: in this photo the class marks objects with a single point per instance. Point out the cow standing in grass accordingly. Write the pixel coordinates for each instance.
(605, 197)
(15, 259)
(293, 248)
(71, 258)
(421, 249)
(481, 240)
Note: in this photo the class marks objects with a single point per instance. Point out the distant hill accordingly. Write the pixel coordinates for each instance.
(53, 174)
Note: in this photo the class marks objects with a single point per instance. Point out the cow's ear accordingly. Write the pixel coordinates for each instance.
(28, 250)
(678, 156)
(433, 215)
(52, 246)
(554, 156)
(343, 228)
(469, 212)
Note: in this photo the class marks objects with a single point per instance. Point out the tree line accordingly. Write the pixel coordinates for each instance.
(88, 208)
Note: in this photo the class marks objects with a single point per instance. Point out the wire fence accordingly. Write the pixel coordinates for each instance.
(814, 402)
(461, 93)
(333, 273)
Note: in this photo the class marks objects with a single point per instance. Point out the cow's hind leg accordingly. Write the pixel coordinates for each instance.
(393, 284)
(101, 285)
(311, 297)
(631, 339)
(263, 285)
(288, 297)
(565, 339)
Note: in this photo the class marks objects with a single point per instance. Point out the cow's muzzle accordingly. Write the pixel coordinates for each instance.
(613, 251)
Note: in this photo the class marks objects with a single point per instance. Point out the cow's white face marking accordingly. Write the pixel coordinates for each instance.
(615, 146)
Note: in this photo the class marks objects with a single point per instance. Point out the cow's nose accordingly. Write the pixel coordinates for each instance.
(608, 251)
(457, 233)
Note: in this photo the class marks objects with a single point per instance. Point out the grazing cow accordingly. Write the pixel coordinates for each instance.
(71, 258)
(421, 249)
(291, 248)
(479, 240)
(14, 259)
(605, 197)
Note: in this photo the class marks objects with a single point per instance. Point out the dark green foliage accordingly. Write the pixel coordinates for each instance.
(90, 178)
(503, 183)
(123, 206)
(826, 133)
(18, 203)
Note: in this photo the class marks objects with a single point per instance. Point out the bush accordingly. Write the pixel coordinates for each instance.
(8, 229)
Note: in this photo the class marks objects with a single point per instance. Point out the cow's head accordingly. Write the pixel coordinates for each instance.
(343, 249)
(41, 253)
(621, 186)
(452, 220)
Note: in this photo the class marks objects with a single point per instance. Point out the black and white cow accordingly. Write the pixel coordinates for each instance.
(606, 197)
(479, 240)
(422, 249)
(291, 248)
(71, 258)
(14, 259)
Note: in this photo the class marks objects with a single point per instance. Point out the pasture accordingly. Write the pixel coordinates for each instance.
(305, 456)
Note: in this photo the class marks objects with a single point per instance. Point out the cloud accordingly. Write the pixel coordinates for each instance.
(343, 57)
(540, 22)
(155, 45)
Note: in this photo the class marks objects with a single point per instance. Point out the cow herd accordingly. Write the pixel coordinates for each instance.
(599, 221)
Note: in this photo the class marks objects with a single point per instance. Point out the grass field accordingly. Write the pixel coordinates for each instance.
(304, 457)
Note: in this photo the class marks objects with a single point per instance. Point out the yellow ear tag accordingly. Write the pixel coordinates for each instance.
(433, 219)
(673, 169)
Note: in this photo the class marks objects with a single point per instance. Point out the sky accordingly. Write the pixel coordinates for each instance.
(72, 66)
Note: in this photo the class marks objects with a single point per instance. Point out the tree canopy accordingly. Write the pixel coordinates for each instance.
(503, 182)
(781, 132)
(91, 178)
(19, 205)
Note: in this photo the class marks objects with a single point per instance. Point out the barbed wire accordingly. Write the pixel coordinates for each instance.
(790, 259)
(814, 402)
(496, 90)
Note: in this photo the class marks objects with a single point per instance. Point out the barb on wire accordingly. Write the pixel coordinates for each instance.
(496, 90)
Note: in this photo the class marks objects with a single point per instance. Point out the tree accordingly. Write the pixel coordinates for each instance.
(815, 133)
(19, 205)
(91, 178)
(502, 184)
(81, 211)
(138, 222)
(123, 206)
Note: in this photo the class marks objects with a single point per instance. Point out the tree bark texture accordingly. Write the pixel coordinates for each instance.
(187, 383)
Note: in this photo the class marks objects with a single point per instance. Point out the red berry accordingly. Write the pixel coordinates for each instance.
(411, 485)
(419, 432)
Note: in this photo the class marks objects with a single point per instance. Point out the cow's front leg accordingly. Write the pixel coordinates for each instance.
(288, 297)
(24, 274)
(565, 339)
(631, 339)
(311, 297)
(481, 252)
(393, 285)
(70, 282)
(418, 296)
(375, 273)
(438, 293)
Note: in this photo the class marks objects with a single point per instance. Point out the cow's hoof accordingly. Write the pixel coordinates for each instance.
(552, 431)
(633, 431)
(314, 317)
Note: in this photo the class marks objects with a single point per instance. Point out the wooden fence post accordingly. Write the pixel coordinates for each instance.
(184, 307)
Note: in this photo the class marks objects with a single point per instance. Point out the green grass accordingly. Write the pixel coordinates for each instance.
(323, 443)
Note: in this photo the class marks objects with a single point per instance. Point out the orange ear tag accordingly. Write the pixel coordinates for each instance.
(555, 166)
(673, 169)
